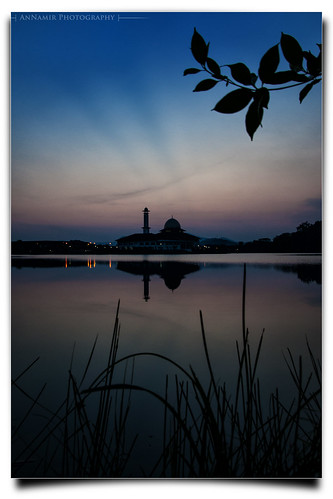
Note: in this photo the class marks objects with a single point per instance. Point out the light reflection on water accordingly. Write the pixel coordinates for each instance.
(59, 301)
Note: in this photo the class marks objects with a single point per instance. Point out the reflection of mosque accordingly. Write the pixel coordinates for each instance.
(171, 238)
(171, 272)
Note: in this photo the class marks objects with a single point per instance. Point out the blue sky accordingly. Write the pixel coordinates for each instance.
(104, 124)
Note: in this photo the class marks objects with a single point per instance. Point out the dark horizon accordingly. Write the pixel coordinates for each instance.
(93, 234)
(78, 234)
(307, 238)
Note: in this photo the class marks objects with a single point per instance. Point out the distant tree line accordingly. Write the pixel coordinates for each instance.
(71, 247)
(306, 239)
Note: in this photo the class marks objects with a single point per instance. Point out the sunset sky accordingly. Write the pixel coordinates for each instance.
(103, 123)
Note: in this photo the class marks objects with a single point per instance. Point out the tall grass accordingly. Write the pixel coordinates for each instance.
(85, 440)
(207, 431)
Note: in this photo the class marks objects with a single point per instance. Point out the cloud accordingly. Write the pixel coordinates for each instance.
(98, 199)
(93, 199)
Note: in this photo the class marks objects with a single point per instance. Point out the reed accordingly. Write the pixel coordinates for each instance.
(85, 442)
(207, 431)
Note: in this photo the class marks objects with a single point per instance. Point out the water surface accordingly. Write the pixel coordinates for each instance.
(59, 302)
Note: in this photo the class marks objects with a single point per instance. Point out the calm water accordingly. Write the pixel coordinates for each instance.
(58, 302)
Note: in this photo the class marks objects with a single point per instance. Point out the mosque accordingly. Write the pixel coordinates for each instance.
(171, 238)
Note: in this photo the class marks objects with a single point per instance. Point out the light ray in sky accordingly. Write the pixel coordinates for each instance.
(104, 124)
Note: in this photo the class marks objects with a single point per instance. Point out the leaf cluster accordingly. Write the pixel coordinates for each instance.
(253, 90)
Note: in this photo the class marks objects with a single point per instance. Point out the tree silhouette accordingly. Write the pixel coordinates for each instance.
(252, 89)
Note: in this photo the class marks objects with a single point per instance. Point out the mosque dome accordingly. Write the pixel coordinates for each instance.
(172, 224)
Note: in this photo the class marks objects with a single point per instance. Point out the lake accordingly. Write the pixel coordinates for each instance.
(61, 303)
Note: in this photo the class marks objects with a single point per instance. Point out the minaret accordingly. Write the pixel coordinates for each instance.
(146, 221)
(146, 281)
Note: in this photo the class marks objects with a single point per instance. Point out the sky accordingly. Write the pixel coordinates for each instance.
(103, 124)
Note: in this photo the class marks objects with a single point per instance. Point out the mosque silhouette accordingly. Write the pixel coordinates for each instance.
(171, 238)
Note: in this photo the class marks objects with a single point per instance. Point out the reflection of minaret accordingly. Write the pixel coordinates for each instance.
(172, 273)
(146, 221)
(146, 281)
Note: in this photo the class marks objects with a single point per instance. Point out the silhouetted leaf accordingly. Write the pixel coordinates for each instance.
(280, 77)
(213, 66)
(241, 73)
(205, 85)
(254, 78)
(300, 77)
(313, 64)
(234, 101)
(253, 118)
(268, 73)
(191, 71)
(261, 97)
(304, 92)
(319, 57)
(269, 63)
(292, 51)
(199, 47)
